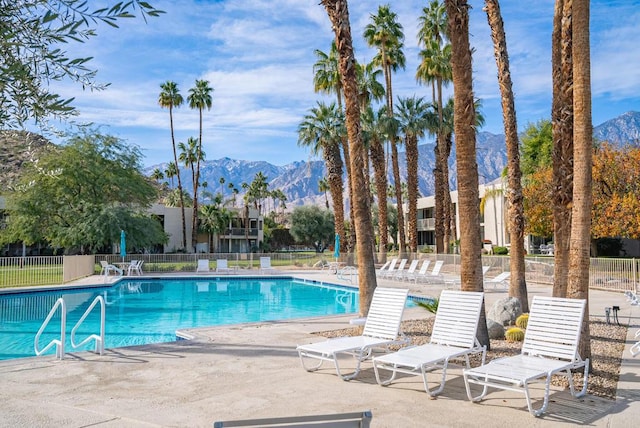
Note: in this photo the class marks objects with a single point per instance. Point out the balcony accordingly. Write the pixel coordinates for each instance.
(240, 232)
(426, 224)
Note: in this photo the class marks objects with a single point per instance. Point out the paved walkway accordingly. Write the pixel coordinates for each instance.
(244, 371)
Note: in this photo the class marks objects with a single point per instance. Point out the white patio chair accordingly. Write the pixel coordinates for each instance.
(135, 267)
(453, 336)
(422, 272)
(381, 329)
(392, 271)
(401, 275)
(203, 265)
(501, 280)
(265, 265)
(383, 267)
(108, 268)
(435, 277)
(550, 348)
(398, 273)
(382, 272)
(222, 266)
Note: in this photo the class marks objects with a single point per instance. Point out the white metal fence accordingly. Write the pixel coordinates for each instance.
(608, 274)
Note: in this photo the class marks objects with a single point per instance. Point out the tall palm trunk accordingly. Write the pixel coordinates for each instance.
(518, 284)
(398, 188)
(562, 128)
(333, 162)
(339, 16)
(347, 162)
(411, 152)
(196, 185)
(464, 129)
(580, 243)
(380, 175)
(442, 211)
(175, 160)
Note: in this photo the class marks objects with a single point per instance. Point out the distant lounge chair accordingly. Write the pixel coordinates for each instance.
(398, 273)
(391, 272)
(550, 348)
(402, 274)
(422, 272)
(435, 277)
(222, 266)
(203, 265)
(108, 268)
(453, 336)
(265, 265)
(500, 280)
(381, 329)
(382, 272)
(383, 267)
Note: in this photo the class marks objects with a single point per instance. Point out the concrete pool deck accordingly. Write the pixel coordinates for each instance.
(252, 370)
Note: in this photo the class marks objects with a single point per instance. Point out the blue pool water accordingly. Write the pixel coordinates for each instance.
(150, 311)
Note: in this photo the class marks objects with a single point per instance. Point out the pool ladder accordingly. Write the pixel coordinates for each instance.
(59, 343)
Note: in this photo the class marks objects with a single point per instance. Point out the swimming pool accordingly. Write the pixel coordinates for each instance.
(151, 310)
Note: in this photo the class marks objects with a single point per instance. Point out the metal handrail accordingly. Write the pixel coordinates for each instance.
(99, 339)
(63, 325)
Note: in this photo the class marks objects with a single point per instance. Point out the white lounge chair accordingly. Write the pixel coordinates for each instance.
(135, 267)
(382, 272)
(500, 280)
(453, 336)
(203, 265)
(108, 268)
(383, 267)
(422, 272)
(398, 273)
(550, 348)
(435, 277)
(392, 271)
(265, 265)
(222, 266)
(402, 274)
(381, 329)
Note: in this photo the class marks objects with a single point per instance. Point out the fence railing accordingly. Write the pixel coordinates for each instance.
(608, 274)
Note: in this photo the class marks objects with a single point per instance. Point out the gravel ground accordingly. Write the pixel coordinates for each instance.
(607, 346)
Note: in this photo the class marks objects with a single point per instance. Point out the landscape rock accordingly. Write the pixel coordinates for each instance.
(505, 311)
(496, 330)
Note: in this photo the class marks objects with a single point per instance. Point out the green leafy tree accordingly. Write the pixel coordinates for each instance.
(32, 36)
(80, 196)
(537, 147)
(313, 226)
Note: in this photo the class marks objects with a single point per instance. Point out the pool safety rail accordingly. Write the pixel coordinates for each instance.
(60, 343)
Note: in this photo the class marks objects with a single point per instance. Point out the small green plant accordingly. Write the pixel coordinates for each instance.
(522, 321)
(500, 251)
(430, 305)
(514, 334)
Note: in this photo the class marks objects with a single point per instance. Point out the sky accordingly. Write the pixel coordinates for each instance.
(258, 55)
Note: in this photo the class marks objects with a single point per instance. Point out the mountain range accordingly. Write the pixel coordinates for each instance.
(299, 180)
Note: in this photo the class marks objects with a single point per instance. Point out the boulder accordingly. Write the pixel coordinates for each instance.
(505, 311)
(496, 330)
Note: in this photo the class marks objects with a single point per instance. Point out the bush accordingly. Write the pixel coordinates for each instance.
(500, 251)
(522, 321)
(514, 334)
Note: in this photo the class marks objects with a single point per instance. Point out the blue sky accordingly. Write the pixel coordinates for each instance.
(258, 56)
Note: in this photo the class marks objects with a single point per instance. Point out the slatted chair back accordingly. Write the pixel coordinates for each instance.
(424, 268)
(437, 267)
(554, 326)
(413, 266)
(385, 313)
(456, 322)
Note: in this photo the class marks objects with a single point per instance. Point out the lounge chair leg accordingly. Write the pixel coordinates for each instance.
(477, 398)
(426, 385)
(358, 358)
(545, 402)
(384, 382)
(304, 366)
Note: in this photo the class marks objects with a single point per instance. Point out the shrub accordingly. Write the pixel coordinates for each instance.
(500, 251)
(522, 321)
(514, 334)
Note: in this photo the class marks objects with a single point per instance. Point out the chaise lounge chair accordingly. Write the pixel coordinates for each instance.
(388, 267)
(381, 329)
(421, 273)
(500, 280)
(453, 336)
(434, 277)
(203, 266)
(265, 265)
(550, 348)
(222, 266)
(108, 268)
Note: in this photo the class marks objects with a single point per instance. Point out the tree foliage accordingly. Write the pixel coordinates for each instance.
(32, 33)
(537, 147)
(313, 226)
(81, 195)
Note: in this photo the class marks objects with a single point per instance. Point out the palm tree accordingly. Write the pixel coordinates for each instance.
(578, 287)
(518, 283)
(339, 17)
(157, 174)
(174, 199)
(199, 98)
(464, 125)
(222, 181)
(171, 171)
(385, 33)
(435, 68)
(322, 131)
(562, 134)
(323, 186)
(412, 119)
(372, 129)
(170, 97)
(189, 156)
(214, 219)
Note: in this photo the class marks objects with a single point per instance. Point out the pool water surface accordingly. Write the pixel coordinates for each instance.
(150, 311)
